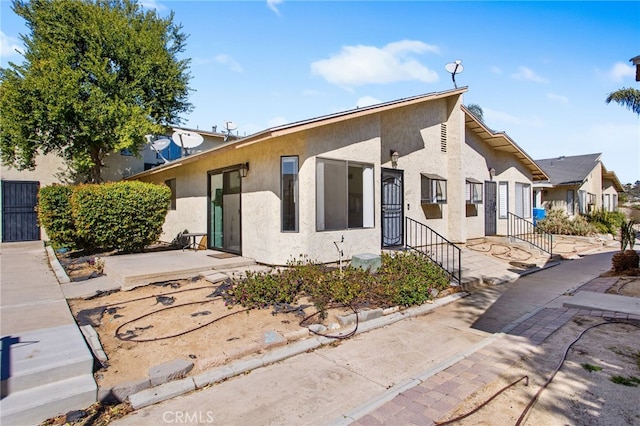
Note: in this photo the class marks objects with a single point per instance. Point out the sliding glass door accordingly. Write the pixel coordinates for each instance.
(224, 211)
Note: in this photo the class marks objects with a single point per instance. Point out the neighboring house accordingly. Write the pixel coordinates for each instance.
(343, 184)
(19, 189)
(577, 185)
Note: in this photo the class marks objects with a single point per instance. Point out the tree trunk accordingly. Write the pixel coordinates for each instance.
(96, 168)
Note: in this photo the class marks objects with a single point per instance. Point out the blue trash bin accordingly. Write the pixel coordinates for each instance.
(538, 214)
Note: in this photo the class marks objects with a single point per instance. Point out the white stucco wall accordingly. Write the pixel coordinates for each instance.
(478, 157)
(413, 131)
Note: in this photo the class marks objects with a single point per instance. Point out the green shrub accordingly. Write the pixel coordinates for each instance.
(406, 278)
(54, 214)
(124, 215)
(559, 223)
(607, 222)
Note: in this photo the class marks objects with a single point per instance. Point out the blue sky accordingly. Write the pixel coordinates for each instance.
(540, 70)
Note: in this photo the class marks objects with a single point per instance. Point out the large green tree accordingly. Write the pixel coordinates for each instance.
(97, 76)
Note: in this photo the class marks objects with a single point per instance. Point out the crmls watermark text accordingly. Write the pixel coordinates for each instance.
(188, 417)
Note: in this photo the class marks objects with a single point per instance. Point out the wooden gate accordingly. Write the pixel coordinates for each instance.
(19, 217)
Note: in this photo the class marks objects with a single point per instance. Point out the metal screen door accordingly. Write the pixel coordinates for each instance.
(392, 213)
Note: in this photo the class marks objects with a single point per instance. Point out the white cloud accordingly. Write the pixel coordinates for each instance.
(9, 45)
(367, 101)
(277, 121)
(273, 5)
(495, 70)
(492, 116)
(359, 65)
(620, 70)
(228, 61)
(525, 73)
(558, 98)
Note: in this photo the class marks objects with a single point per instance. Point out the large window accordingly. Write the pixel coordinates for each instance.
(503, 199)
(433, 189)
(289, 193)
(344, 195)
(171, 183)
(473, 193)
(523, 200)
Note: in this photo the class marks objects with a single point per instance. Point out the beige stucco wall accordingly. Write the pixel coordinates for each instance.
(478, 157)
(413, 131)
(608, 189)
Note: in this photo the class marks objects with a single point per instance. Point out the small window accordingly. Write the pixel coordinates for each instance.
(125, 152)
(433, 189)
(473, 192)
(289, 193)
(503, 199)
(171, 183)
(523, 200)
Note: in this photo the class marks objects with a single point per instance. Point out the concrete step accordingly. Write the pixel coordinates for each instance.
(43, 356)
(35, 405)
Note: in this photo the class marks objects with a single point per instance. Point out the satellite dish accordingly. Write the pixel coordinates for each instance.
(454, 68)
(187, 139)
(161, 144)
(158, 145)
(229, 125)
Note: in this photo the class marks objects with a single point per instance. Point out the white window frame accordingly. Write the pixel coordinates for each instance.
(503, 200)
(340, 203)
(473, 191)
(523, 200)
(433, 189)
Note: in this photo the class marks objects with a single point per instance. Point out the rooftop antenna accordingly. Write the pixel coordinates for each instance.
(158, 145)
(454, 68)
(187, 139)
(229, 125)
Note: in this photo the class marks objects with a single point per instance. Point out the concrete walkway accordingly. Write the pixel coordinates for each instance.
(412, 372)
(46, 364)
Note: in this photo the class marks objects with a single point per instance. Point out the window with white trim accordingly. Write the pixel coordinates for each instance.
(523, 200)
(344, 195)
(503, 199)
(433, 189)
(473, 191)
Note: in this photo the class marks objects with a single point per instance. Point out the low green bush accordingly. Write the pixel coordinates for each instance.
(405, 279)
(559, 223)
(123, 215)
(54, 215)
(607, 222)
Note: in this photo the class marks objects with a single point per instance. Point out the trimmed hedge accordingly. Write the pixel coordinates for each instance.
(126, 216)
(54, 214)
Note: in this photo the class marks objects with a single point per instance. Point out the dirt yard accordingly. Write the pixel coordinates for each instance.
(185, 319)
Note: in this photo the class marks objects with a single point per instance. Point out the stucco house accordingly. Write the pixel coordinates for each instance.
(19, 188)
(577, 185)
(348, 183)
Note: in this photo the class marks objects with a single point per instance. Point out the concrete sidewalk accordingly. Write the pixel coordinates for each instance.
(47, 368)
(351, 381)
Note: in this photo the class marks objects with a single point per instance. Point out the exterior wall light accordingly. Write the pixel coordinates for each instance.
(492, 172)
(244, 169)
(394, 158)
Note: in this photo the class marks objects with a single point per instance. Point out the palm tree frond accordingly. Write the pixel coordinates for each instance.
(627, 97)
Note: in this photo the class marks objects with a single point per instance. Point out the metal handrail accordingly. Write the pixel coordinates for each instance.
(441, 251)
(524, 230)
